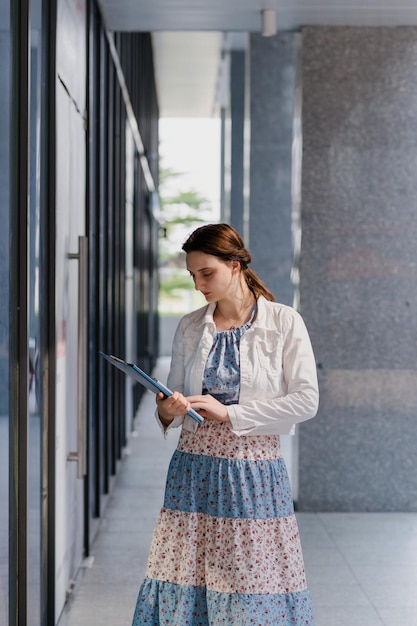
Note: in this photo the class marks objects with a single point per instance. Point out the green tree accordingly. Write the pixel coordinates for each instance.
(182, 210)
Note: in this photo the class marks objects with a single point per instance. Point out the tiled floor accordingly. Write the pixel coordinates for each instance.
(361, 567)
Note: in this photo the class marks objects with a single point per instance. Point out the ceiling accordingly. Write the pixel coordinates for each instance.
(188, 36)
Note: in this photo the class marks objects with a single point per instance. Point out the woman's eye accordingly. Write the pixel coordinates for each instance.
(206, 275)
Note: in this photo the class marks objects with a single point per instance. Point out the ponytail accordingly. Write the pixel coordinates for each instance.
(256, 286)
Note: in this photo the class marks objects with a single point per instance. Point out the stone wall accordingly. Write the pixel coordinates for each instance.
(358, 267)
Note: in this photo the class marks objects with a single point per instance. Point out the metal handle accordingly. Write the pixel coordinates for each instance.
(81, 455)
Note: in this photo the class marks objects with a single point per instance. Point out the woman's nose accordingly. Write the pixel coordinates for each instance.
(197, 284)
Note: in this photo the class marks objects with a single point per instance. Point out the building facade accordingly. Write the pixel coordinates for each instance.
(318, 163)
(79, 242)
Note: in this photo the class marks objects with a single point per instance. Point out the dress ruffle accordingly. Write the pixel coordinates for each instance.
(228, 488)
(167, 604)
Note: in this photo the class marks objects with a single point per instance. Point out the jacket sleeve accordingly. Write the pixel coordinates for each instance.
(278, 415)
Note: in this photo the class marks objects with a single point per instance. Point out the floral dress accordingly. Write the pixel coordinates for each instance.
(226, 547)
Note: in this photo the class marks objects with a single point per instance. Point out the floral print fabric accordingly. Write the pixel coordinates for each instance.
(213, 440)
(228, 488)
(227, 555)
(226, 548)
(221, 375)
(167, 604)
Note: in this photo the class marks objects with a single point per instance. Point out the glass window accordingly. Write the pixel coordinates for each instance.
(34, 417)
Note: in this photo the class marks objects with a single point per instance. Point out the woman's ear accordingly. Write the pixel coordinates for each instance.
(235, 266)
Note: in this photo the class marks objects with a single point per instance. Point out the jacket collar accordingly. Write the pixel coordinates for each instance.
(261, 316)
(207, 318)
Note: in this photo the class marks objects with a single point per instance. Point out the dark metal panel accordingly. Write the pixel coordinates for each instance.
(110, 109)
(5, 39)
(114, 441)
(102, 314)
(92, 502)
(114, 45)
(47, 313)
(108, 268)
(90, 490)
(120, 258)
(18, 343)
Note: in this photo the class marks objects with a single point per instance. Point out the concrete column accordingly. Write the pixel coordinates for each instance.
(274, 175)
(273, 83)
(237, 111)
(233, 137)
(359, 267)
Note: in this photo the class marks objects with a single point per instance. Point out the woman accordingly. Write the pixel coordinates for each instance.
(226, 547)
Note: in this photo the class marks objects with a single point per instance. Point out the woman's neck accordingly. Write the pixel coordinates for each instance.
(231, 314)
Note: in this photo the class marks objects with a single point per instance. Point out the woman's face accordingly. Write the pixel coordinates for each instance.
(216, 279)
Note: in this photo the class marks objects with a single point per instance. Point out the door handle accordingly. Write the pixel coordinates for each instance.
(81, 454)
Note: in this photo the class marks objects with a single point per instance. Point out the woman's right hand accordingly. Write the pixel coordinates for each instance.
(170, 407)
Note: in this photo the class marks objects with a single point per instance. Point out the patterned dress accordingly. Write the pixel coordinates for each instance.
(226, 548)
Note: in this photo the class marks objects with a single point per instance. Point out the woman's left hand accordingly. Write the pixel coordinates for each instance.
(210, 408)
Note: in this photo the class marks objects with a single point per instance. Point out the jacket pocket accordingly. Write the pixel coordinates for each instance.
(269, 357)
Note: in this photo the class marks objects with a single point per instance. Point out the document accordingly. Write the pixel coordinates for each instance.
(144, 379)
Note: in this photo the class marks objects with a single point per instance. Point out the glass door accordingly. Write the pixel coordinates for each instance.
(70, 298)
(34, 424)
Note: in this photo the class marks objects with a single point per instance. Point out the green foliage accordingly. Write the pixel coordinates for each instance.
(167, 174)
(177, 204)
(174, 284)
(192, 201)
(181, 211)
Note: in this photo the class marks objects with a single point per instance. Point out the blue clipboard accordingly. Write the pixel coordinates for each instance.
(153, 384)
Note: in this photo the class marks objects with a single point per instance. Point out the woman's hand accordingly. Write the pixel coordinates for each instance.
(170, 407)
(210, 408)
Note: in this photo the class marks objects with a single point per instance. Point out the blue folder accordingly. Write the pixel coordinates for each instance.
(147, 381)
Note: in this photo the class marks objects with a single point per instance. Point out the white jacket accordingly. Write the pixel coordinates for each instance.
(278, 376)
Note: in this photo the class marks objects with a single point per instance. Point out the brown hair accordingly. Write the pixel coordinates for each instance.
(224, 242)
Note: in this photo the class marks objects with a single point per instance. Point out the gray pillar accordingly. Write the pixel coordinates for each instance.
(237, 111)
(359, 267)
(274, 174)
(273, 82)
(224, 209)
(233, 147)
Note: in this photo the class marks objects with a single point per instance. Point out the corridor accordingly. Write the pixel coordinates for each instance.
(361, 567)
